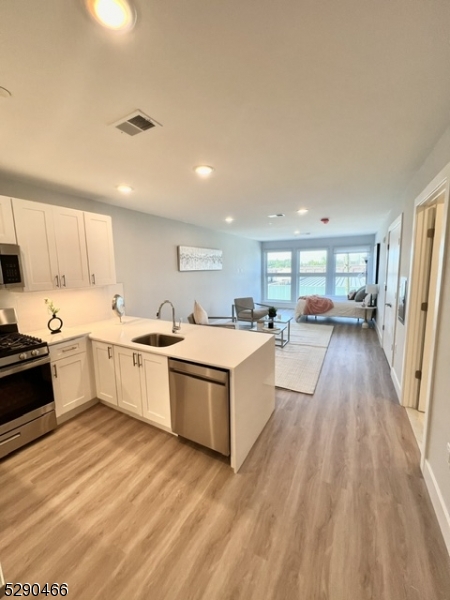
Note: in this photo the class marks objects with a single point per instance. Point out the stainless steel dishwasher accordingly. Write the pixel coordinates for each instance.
(200, 404)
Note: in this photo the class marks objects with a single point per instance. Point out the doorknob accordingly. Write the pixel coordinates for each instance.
(388, 304)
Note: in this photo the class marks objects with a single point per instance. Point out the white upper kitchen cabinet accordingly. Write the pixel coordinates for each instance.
(7, 230)
(99, 239)
(71, 247)
(36, 238)
(53, 246)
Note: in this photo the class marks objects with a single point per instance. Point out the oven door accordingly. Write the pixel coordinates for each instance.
(26, 392)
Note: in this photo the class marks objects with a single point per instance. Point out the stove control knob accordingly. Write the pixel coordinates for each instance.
(35, 353)
(23, 356)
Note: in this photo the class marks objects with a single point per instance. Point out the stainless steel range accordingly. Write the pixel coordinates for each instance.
(27, 407)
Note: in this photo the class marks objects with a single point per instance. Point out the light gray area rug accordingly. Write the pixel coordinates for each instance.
(298, 364)
(311, 334)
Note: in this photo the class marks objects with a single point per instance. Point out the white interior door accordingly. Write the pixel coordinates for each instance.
(430, 285)
(391, 293)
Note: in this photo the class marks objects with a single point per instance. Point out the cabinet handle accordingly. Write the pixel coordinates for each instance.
(109, 352)
(139, 364)
(93, 279)
(69, 349)
(55, 371)
(57, 280)
(63, 280)
(134, 359)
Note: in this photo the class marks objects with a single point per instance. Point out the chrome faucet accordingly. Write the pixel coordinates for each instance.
(175, 327)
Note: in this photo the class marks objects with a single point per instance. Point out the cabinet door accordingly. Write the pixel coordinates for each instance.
(70, 383)
(105, 381)
(127, 380)
(100, 248)
(71, 247)
(36, 238)
(7, 231)
(155, 388)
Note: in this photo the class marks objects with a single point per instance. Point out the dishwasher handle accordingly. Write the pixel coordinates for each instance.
(199, 371)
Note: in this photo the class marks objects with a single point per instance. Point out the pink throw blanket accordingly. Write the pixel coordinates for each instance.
(316, 305)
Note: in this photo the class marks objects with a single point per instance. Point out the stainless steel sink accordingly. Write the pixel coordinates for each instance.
(157, 339)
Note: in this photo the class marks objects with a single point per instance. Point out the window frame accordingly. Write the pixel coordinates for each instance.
(289, 275)
(323, 274)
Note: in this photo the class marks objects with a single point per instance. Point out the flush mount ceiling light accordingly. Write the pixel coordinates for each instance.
(204, 170)
(229, 219)
(302, 211)
(117, 15)
(125, 189)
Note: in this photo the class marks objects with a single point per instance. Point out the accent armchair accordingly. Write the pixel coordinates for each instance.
(244, 309)
(200, 317)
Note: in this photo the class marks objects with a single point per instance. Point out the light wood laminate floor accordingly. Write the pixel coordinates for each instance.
(330, 504)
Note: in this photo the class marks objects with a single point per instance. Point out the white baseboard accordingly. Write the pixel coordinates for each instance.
(396, 382)
(437, 500)
(378, 330)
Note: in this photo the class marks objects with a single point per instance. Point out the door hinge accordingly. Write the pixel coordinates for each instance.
(418, 375)
(388, 246)
(424, 306)
(430, 232)
(382, 329)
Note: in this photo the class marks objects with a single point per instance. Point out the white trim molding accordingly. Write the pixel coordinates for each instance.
(437, 500)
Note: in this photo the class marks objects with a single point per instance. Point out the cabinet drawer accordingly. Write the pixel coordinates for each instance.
(69, 348)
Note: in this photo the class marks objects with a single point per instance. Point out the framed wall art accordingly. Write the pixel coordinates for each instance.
(191, 258)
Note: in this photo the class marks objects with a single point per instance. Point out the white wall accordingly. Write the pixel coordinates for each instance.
(146, 257)
(439, 418)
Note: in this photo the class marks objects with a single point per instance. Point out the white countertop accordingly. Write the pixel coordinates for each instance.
(215, 346)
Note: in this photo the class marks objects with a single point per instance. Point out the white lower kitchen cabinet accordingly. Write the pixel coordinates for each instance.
(128, 381)
(142, 381)
(155, 388)
(71, 375)
(105, 379)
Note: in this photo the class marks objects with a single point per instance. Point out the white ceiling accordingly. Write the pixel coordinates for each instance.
(324, 104)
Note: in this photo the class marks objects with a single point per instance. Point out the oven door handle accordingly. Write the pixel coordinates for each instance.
(24, 366)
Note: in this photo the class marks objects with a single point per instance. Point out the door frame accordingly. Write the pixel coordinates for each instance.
(437, 187)
(398, 222)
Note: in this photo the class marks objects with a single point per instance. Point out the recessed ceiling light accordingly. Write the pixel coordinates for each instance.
(302, 211)
(204, 170)
(276, 216)
(296, 232)
(229, 219)
(117, 15)
(125, 189)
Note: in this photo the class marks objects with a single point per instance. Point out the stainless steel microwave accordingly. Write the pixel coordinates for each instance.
(11, 274)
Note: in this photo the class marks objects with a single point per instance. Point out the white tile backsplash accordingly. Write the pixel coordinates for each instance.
(77, 307)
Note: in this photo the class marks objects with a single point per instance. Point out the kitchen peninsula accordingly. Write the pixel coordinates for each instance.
(249, 359)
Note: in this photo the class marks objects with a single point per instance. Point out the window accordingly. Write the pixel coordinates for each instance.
(278, 276)
(313, 272)
(350, 271)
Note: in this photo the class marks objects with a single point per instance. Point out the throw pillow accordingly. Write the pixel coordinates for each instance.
(351, 294)
(360, 294)
(200, 314)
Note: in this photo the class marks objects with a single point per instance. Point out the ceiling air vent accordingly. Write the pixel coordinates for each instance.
(135, 123)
